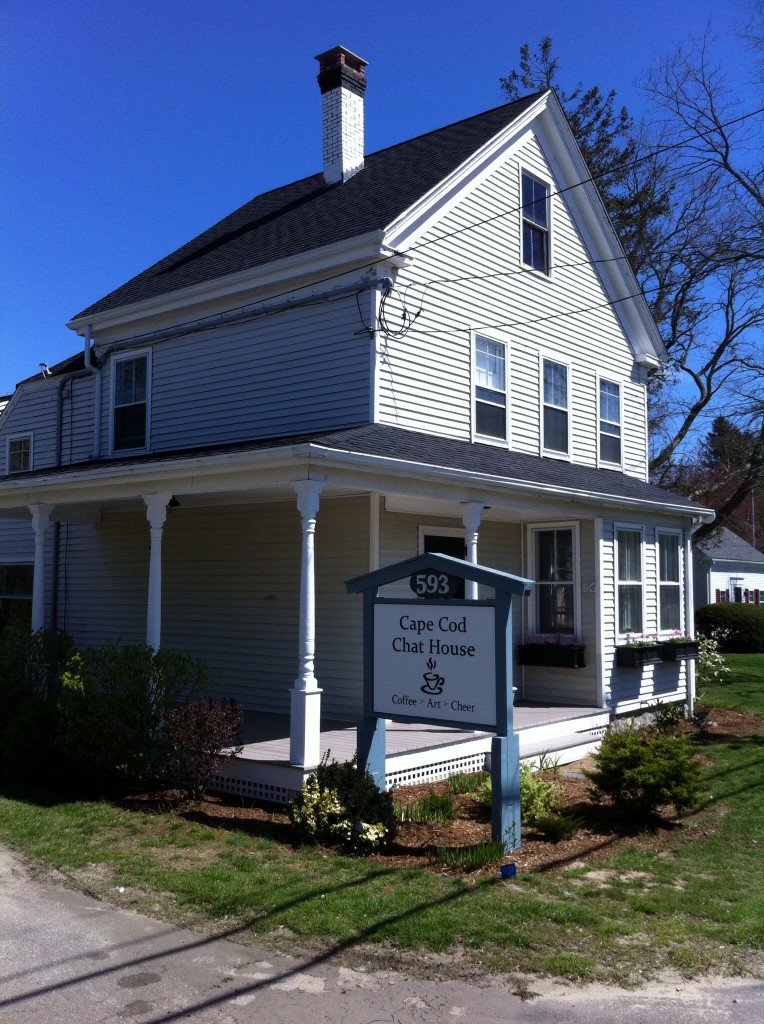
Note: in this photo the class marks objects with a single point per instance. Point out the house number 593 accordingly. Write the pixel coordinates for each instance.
(433, 584)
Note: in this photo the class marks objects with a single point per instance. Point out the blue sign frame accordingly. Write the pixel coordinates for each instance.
(505, 745)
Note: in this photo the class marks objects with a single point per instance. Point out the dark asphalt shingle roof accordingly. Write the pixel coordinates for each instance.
(726, 546)
(308, 214)
(427, 450)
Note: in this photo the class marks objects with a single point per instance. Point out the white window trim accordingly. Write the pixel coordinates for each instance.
(544, 275)
(439, 531)
(26, 435)
(487, 438)
(619, 384)
(632, 528)
(659, 583)
(532, 530)
(551, 453)
(121, 358)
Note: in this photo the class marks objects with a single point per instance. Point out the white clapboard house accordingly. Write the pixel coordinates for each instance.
(438, 346)
(728, 568)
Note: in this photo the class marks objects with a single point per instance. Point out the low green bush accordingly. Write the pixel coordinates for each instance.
(469, 858)
(643, 770)
(538, 798)
(740, 627)
(112, 704)
(556, 827)
(30, 665)
(196, 737)
(341, 804)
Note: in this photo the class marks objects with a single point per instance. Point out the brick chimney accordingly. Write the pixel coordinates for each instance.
(343, 83)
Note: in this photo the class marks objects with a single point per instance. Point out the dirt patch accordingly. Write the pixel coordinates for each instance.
(601, 833)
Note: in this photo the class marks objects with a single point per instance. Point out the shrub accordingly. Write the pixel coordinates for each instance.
(556, 827)
(710, 666)
(741, 626)
(112, 705)
(642, 770)
(538, 798)
(30, 664)
(340, 803)
(27, 752)
(193, 739)
(666, 717)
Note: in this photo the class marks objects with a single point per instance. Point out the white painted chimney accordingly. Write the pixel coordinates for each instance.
(343, 83)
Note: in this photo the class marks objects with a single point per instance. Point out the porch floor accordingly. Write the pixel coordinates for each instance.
(266, 736)
(416, 752)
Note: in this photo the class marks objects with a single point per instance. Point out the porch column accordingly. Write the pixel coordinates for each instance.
(40, 523)
(156, 513)
(471, 516)
(305, 706)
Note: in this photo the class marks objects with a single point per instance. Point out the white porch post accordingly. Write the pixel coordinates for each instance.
(40, 523)
(305, 707)
(156, 513)
(471, 516)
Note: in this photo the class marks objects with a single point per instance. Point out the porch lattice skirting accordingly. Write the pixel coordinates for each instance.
(416, 754)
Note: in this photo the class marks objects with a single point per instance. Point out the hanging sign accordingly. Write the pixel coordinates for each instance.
(436, 662)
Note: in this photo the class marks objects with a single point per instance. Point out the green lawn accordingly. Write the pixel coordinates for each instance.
(697, 906)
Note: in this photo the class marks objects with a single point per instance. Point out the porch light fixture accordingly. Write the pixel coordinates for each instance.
(173, 502)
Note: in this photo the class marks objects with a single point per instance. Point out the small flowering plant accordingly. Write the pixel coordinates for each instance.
(677, 637)
(556, 639)
(641, 640)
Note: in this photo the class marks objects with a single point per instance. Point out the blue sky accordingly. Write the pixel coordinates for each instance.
(129, 126)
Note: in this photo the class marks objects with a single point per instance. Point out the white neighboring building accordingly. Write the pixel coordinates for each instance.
(728, 568)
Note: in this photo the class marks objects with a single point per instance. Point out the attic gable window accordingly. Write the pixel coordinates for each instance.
(535, 200)
(19, 454)
(490, 388)
(131, 376)
(555, 408)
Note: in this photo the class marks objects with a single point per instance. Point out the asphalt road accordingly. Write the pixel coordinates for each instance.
(66, 957)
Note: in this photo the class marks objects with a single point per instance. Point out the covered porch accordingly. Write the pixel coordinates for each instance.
(416, 753)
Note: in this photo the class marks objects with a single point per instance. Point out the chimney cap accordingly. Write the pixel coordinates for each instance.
(339, 55)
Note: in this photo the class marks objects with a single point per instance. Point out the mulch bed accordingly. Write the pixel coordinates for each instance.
(602, 833)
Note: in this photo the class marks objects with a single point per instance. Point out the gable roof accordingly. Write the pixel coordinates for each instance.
(308, 214)
(728, 547)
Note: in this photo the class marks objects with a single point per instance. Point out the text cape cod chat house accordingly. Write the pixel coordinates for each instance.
(439, 346)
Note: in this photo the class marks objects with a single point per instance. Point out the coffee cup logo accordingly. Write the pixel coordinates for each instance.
(433, 682)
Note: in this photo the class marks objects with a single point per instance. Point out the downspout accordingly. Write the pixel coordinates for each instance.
(91, 367)
(689, 615)
(56, 523)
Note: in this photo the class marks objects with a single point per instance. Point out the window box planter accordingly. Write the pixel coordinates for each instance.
(683, 651)
(634, 657)
(551, 655)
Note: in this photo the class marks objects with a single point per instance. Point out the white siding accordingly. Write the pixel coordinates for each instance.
(629, 689)
(32, 410)
(303, 370)
(230, 595)
(726, 577)
(425, 378)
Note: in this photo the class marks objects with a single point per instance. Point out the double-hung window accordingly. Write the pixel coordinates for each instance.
(610, 422)
(629, 582)
(555, 590)
(535, 198)
(130, 402)
(16, 595)
(669, 585)
(555, 413)
(19, 454)
(490, 388)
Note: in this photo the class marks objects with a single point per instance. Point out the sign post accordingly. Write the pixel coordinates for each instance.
(439, 659)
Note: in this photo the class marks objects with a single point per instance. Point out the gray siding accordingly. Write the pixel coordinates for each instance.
(302, 370)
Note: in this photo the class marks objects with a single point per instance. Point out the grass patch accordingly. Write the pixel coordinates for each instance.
(696, 904)
(431, 808)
